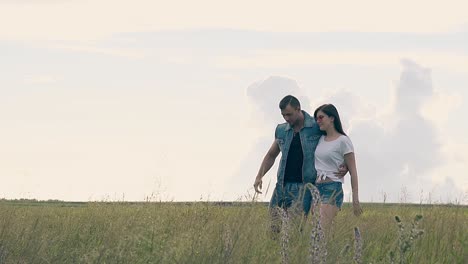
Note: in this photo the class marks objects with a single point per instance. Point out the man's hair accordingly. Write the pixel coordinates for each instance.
(289, 100)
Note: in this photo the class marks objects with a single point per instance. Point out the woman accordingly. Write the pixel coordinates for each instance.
(333, 150)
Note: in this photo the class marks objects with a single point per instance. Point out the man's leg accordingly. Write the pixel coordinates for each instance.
(306, 200)
(274, 210)
(295, 204)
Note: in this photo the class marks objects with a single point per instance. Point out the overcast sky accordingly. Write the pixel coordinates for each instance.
(179, 100)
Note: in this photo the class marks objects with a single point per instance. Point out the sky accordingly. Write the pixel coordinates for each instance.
(178, 101)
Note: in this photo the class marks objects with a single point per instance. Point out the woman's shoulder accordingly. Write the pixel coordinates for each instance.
(344, 139)
(345, 142)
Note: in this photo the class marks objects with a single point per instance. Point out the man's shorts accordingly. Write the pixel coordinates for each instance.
(292, 194)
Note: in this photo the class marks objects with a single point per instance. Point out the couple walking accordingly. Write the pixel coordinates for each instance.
(314, 150)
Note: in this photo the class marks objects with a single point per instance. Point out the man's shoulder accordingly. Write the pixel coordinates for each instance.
(283, 126)
(280, 130)
(314, 130)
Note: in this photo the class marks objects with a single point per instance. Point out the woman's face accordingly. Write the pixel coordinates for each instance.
(324, 121)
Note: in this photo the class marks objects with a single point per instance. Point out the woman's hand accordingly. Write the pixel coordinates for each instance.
(357, 208)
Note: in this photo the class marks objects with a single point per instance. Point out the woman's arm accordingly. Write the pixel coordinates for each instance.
(351, 164)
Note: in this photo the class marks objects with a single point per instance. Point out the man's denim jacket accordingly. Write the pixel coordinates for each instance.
(310, 135)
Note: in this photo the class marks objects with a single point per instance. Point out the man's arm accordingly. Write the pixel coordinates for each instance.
(267, 163)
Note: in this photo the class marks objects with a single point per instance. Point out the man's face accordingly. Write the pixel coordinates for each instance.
(291, 114)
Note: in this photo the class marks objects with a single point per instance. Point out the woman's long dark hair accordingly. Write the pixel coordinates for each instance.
(330, 110)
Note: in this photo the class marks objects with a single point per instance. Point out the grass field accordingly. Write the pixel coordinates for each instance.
(152, 232)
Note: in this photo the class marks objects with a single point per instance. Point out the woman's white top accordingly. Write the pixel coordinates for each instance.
(329, 155)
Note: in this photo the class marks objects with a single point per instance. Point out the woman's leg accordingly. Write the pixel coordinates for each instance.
(327, 214)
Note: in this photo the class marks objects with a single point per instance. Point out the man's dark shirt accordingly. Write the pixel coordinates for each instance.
(293, 172)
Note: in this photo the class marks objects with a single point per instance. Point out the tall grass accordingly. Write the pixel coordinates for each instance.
(210, 233)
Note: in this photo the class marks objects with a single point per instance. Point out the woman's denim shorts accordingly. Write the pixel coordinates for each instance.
(331, 193)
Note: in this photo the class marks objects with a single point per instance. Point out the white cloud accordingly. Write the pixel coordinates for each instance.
(440, 106)
(264, 97)
(403, 150)
(288, 58)
(41, 79)
(79, 20)
(449, 180)
(119, 52)
(397, 147)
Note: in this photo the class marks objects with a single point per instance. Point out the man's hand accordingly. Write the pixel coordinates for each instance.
(258, 185)
(342, 171)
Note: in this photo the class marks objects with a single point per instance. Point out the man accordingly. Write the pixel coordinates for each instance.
(296, 140)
